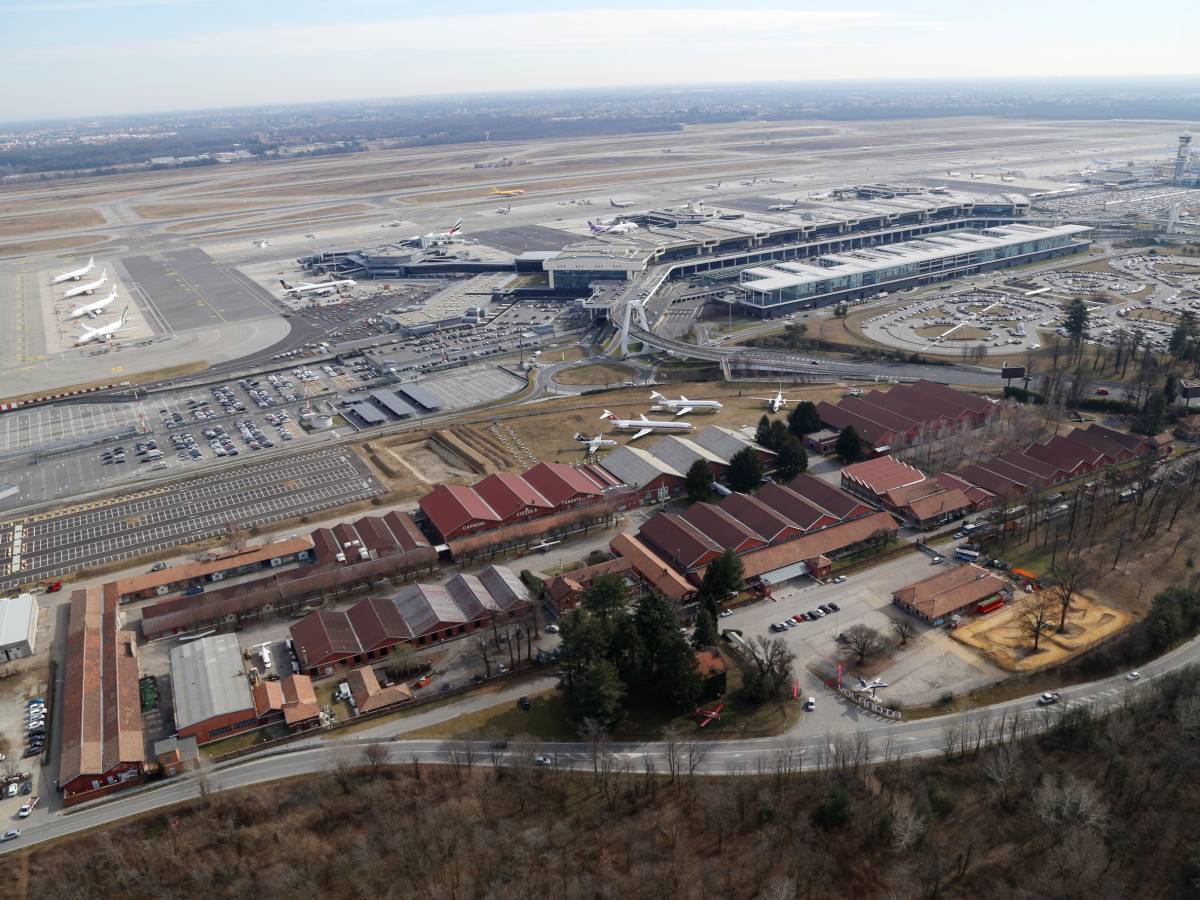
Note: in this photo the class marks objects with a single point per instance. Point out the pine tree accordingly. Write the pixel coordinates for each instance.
(763, 436)
(745, 471)
(804, 419)
(699, 481)
(705, 633)
(790, 459)
(849, 447)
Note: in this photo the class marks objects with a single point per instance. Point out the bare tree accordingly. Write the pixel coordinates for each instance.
(1036, 615)
(483, 649)
(1001, 767)
(863, 642)
(1067, 575)
(375, 755)
(903, 630)
(907, 824)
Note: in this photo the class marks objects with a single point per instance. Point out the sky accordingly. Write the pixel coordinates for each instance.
(66, 58)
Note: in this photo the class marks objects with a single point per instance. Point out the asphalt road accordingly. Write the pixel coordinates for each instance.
(865, 737)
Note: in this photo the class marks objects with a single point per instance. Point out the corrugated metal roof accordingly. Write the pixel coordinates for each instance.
(680, 453)
(724, 443)
(16, 615)
(208, 678)
(637, 467)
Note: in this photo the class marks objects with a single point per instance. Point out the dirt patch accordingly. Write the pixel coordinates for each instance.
(58, 243)
(50, 221)
(174, 210)
(153, 375)
(597, 373)
(432, 464)
(1000, 638)
(318, 215)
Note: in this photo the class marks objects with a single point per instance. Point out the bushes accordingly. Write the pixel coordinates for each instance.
(535, 584)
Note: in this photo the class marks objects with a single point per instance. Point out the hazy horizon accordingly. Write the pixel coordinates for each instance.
(81, 58)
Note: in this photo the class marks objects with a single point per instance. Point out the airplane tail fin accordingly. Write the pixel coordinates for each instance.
(125, 315)
(607, 415)
(286, 286)
(456, 226)
(655, 395)
(579, 436)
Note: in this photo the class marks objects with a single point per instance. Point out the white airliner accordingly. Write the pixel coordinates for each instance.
(91, 310)
(683, 405)
(776, 403)
(715, 186)
(615, 228)
(320, 287)
(781, 207)
(644, 426)
(439, 237)
(595, 443)
(619, 204)
(104, 332)
(88, 288)
(76, 274)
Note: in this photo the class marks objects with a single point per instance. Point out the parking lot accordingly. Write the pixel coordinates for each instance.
(930, 664)
(60, 424)
(55, 544)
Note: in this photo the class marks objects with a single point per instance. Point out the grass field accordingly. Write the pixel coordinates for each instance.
(58, 243)
(81, 217)
(596, 373)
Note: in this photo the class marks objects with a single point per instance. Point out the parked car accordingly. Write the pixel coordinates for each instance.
(810, 704)
(833, 606)
(841, 579)
(551, 628)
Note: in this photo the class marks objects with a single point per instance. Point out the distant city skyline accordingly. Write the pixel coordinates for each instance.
(69, 58)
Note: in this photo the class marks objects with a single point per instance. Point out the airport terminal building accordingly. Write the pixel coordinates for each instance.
(789, 286)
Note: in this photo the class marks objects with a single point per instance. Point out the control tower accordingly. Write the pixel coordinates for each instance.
(1181, 157)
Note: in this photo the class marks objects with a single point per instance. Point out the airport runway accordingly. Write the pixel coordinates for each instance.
(55, 543)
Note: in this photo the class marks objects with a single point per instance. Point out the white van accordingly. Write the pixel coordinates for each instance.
(810, 704)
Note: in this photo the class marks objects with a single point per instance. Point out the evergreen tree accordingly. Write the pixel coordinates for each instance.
(804, 419)
(745, 471)
(779, 433)
(723, 577)
(790, 459)
(705, 633)
(1170, 388)
(699, 481)
(763, 434)
(667, 667)
(596, 693)
(849, 447)
(606, 597)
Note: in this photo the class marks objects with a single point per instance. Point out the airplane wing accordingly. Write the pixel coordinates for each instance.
(684, 411)
(641, 434)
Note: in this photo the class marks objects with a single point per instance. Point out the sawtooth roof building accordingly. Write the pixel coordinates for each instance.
(907, 414)
(327, 641)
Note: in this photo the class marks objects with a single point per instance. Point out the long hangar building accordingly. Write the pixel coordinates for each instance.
(878, 239)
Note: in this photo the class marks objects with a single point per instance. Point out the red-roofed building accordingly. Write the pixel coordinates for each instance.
(822, 494)
(927, 504)
(872, 479)
(652, 568)
(874, 434)
(1000, 485)
(788, 503)
(454, 510)
(325, 641)
(679, 541)
(770, 524)
(562, 485)
(512, 498)
(720, 526)
(979, 497)
(378, 626)
(102, 747)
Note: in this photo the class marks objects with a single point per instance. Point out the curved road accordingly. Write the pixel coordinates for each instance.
(865, 737)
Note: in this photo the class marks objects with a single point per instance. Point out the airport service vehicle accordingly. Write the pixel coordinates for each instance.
(88, 288)
(643, 426)
(75, 274)
(105, 332)
(683, 405)
(91, 310)
(320, 287)
(614, 228)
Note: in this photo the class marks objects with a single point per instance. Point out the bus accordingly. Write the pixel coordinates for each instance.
(968, 555)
